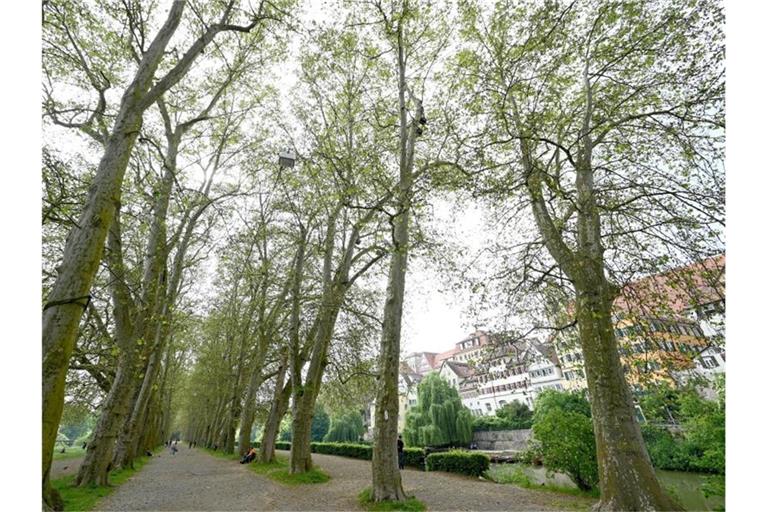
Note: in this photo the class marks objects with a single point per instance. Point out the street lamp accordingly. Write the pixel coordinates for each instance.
(287, 158)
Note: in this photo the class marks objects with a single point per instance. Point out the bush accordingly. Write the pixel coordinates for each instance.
(516, 414)
(563, 431)
(490, 423)
(701, 446)
(356, 451)
(415, 457)
(666, 450)
(459, 461)
(282, 445)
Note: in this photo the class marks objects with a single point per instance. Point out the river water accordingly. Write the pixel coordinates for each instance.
(685, 486)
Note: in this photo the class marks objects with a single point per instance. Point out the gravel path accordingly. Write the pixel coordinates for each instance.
(195, 480)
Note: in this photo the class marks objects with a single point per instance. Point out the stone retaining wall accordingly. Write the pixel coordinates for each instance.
(502, 440)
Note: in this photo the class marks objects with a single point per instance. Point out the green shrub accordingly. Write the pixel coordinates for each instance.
(565, 440)
(490, 423)
(516, 414)
(459, 461)
(414, 457)
(356, 451)
(666, 450)
(701, 445)
(282, 445)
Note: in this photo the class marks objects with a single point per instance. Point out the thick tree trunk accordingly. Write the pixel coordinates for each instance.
(301, 430)
(387, 483)
(249, 410)
(68, 297)
(276, 412)
(627, 477)
(94, 469)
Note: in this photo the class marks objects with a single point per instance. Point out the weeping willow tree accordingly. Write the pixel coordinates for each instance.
(345, 427)
(438, 418)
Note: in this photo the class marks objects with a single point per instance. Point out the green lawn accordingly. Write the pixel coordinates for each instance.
(86, 498)
(410, 505)
(279, 471)
(222, 455)
(687, 488)
(71, 452)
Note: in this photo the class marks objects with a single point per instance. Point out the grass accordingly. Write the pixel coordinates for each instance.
(72, 452)
(514, 474)
(411, 504)
(313, 476)
(278, 470)
(86, 498)
(280, 463)
(222, 455)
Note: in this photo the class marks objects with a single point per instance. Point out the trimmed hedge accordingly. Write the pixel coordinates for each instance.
(414, 457)
(279, 445)
(356, 451)
(459, 461)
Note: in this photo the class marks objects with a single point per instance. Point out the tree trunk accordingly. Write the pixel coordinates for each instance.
(128, 442)
(301, 430)
(85, 243)
(249, 409)
(627, 478)
(387, 482)
(276, 412)
(94, 469)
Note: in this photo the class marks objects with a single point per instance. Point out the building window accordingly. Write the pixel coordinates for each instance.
(487, 406)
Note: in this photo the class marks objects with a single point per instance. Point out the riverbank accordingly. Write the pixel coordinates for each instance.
(686, 487)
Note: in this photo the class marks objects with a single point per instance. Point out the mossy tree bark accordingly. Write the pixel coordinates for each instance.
(94, 469)
(277, 410)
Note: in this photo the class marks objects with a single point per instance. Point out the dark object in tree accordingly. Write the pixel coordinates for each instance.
(422, 120)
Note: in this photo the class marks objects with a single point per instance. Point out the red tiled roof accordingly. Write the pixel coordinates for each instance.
(674, 291)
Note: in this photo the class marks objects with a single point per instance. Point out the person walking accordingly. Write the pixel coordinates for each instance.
(400, 452)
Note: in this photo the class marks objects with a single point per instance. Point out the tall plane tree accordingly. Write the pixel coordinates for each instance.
(66, 301)
(607, 117)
